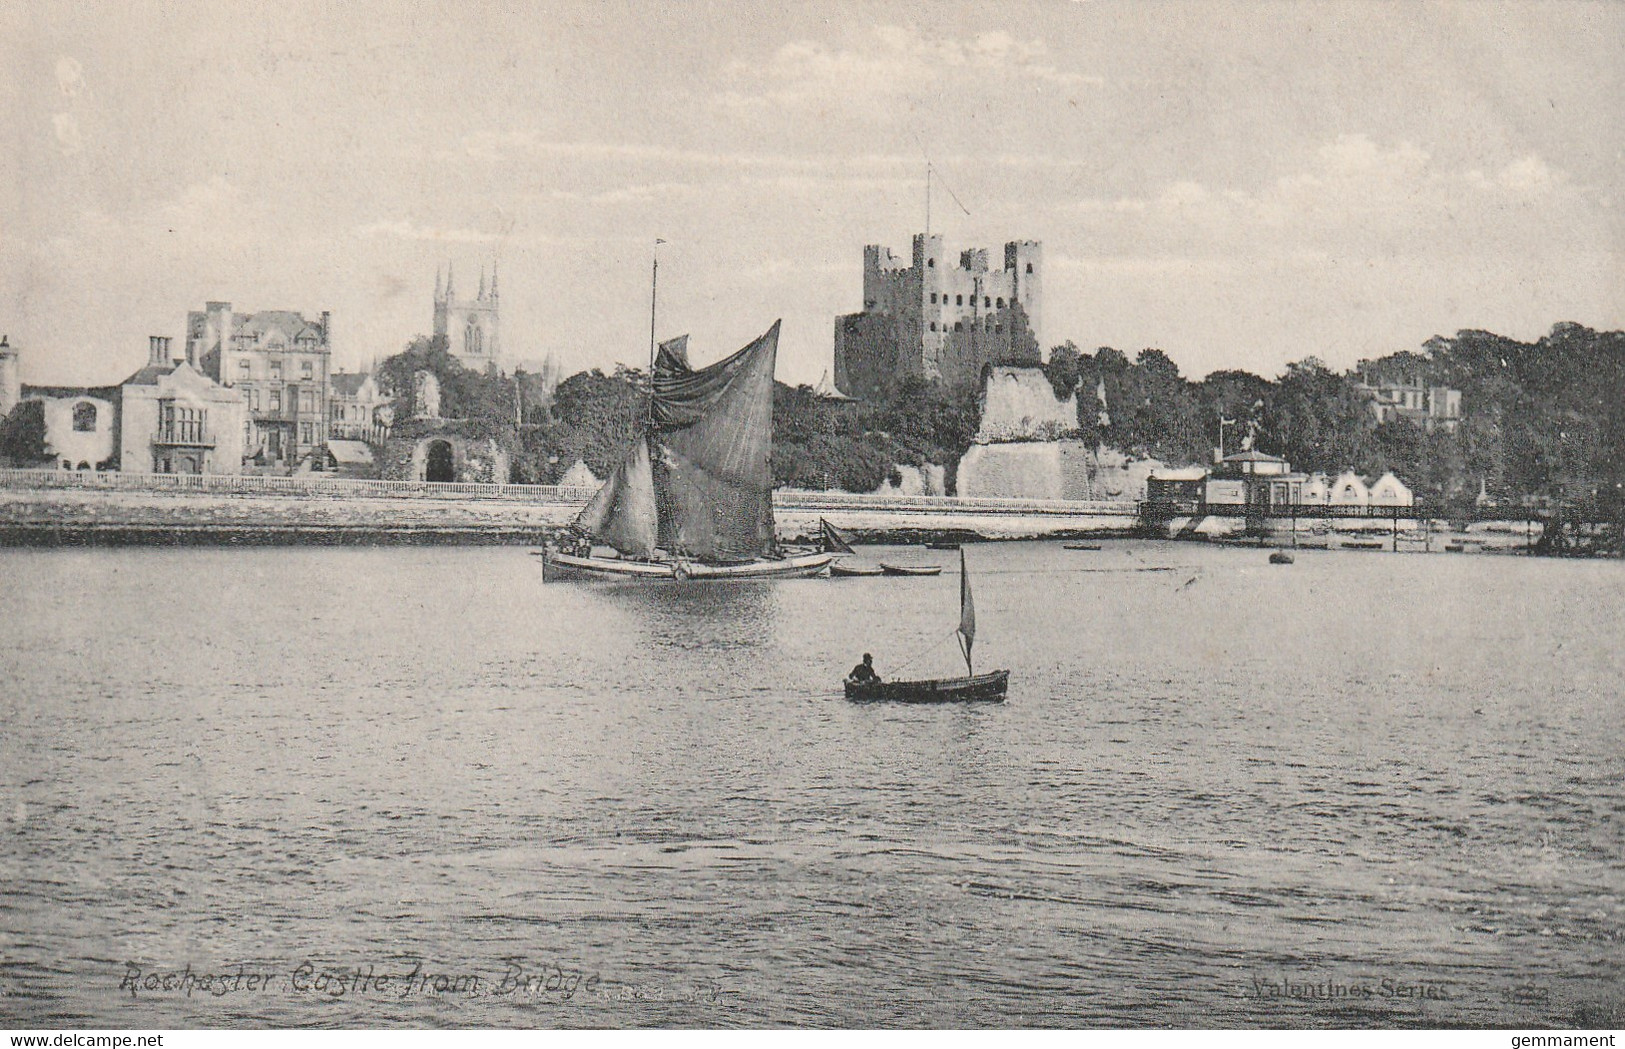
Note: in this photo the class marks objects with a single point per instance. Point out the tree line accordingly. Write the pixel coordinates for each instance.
(1541, 420)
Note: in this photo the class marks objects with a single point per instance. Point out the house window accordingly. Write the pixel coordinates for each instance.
(304, 433)
(244, 369)
(84, 417)
(304, 369)
(276, 400)
(276, 369)
(307, 400)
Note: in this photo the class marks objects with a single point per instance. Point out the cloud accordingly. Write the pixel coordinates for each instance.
(893, 61)
(406, 230)
(1355, 195)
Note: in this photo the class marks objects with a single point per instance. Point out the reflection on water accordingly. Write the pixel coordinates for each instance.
(416, 787)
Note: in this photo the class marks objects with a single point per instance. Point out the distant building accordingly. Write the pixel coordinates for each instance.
(469, 326)
(1389, 490)
(354, 405)
(81, 425)
(165, 418)
(926, 318)
(1349, 489)
(278, 363)
(1254, 479)
(10, 377)
(175, 419)
(1430, 407)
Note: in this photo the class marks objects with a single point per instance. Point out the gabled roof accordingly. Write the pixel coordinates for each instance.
(289, 322)
(1252, 455)
(348, 384)
(149, 375)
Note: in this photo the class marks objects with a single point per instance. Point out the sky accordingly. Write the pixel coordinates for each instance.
(1238, 184)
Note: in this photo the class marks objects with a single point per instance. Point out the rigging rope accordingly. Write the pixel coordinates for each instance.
(925, 651)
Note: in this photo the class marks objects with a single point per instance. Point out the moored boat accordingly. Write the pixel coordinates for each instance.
(847, 570)
(890, 569)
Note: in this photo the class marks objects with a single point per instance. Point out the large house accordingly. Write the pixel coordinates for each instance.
(278, 362)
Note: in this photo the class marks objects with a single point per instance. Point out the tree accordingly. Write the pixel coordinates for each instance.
(22, 434)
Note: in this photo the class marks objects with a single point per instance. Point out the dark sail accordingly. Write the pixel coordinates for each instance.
(712, 437)
(622, 513)
(704, 461)
(835, 540)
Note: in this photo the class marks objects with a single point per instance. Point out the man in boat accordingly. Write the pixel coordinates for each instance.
(864, 672)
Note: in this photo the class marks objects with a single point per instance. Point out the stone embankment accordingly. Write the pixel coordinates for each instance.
(51, 509)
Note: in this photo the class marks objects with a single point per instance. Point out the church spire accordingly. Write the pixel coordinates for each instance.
(451, 283)
(493, 280)
(481, 296)
(439, 289)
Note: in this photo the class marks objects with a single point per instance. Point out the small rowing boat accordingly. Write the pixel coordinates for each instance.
(972, 688)
(887, 569)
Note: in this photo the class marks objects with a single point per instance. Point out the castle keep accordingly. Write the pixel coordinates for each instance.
(924, 317)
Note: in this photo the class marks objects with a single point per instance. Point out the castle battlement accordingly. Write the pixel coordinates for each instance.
(938, 317)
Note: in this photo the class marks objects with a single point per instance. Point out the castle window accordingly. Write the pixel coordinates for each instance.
(959, 325)
(933, 325)
(933, 297)
(988, 326)
(986, 302)
(931, 263)
(959, 300)
(1001, 303)
(1029, 267)
(84, 417)
(998, 329)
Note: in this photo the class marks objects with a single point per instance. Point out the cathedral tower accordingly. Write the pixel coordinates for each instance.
(469, 326)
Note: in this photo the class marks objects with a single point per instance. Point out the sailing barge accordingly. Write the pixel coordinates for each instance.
(693, 499)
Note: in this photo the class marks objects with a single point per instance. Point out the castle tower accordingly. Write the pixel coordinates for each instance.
(469, 326)
(11, 384)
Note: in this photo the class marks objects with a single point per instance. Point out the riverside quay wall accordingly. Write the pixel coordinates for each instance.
(47, 507)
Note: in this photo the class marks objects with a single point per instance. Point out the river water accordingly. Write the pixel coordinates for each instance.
(417, 787)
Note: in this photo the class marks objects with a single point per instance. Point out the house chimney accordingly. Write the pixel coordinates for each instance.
(157, 352)
(327, 329)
